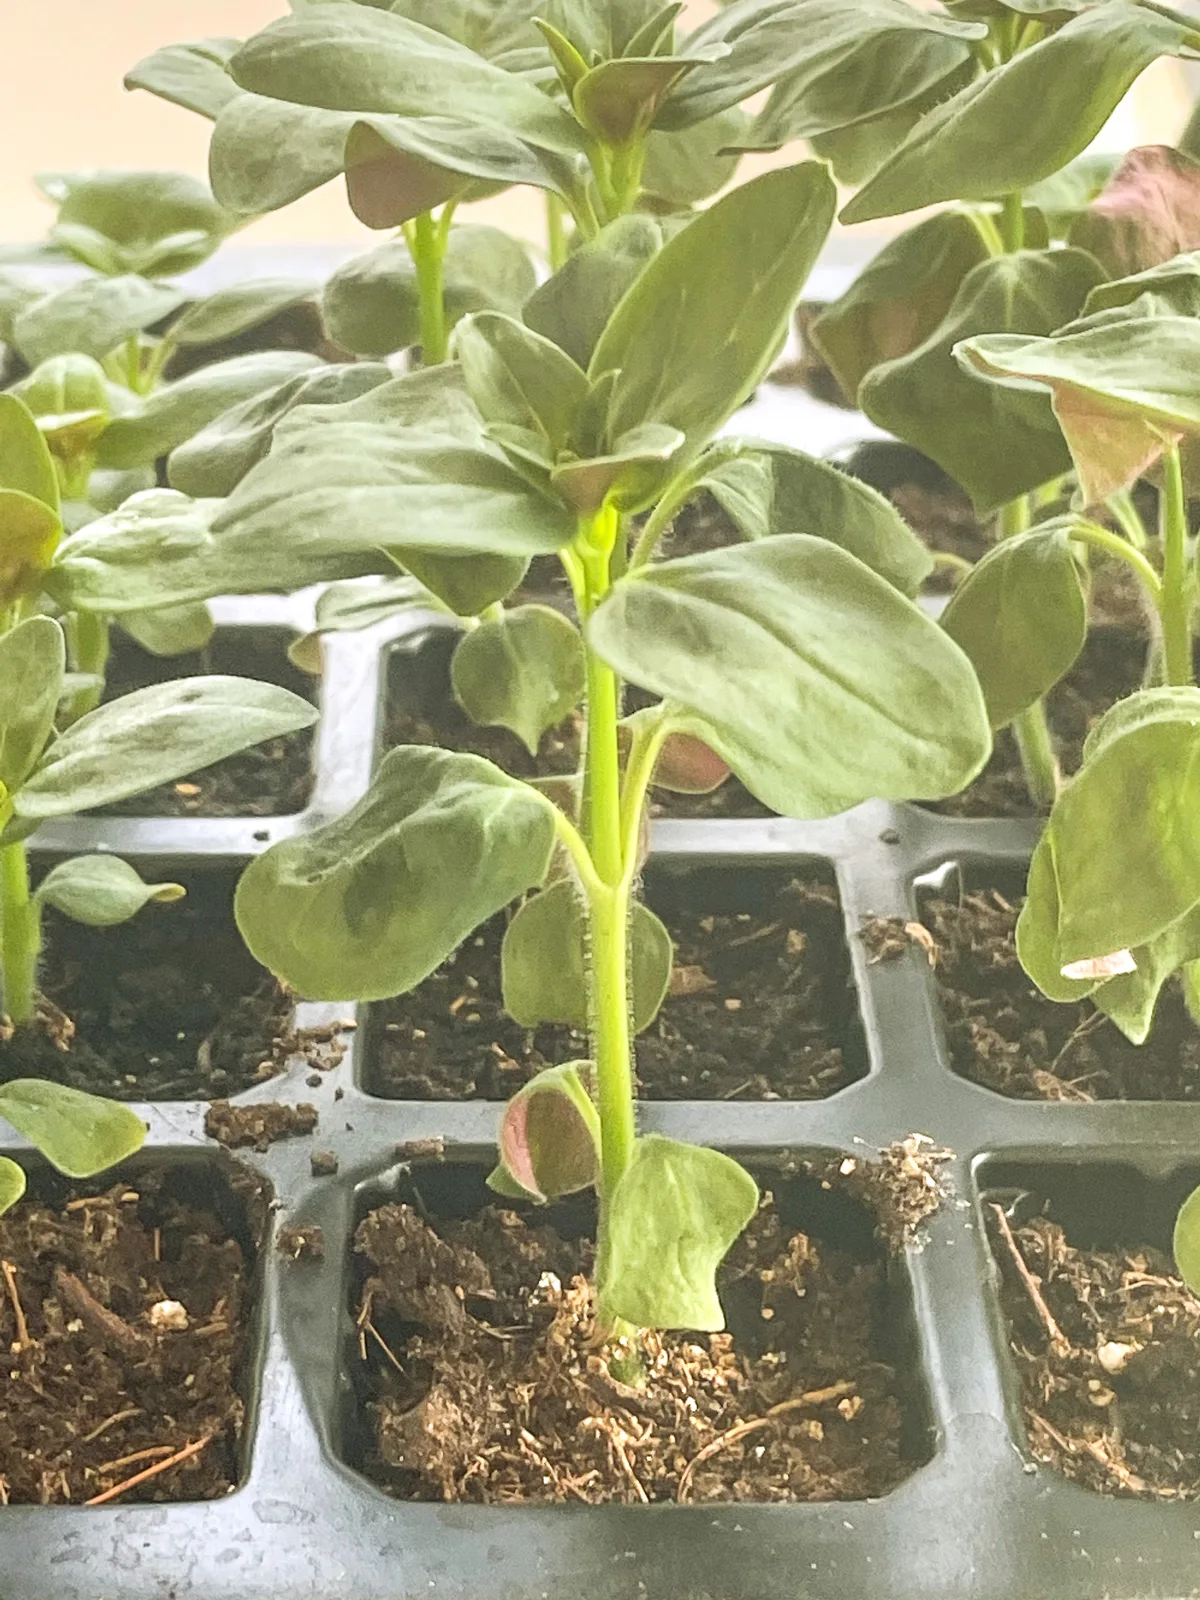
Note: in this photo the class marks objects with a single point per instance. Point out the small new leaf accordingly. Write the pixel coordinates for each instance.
(550, 1136)
(523, 670)
(78, 1133)
(101, 891)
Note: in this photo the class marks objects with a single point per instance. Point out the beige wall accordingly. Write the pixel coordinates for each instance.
(74, 113)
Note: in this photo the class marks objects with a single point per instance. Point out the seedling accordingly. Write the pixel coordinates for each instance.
(121, 749)
(796, 659)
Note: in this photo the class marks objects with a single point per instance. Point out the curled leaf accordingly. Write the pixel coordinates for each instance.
(550, 1135)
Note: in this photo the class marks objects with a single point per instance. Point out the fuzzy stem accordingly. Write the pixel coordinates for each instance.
(556, 232)
(427, 244)
(88, 641)
(1174, 598)
(1113, 544)
(1014, 221)
(20, 936)
(1030, 728)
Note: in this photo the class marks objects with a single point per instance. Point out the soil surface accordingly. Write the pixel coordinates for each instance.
(168, 1006)
(259, 1126)
(1107, 1343)
(1005, 1034)
(124, 1316)
(498, 1396)
(762, 1008)
(273, 779)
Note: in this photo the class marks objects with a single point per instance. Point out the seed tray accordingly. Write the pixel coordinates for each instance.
(978, 1519)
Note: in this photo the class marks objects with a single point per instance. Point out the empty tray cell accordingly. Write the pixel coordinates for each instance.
(762, 1005)
(476, 1381)
(1104, 1335)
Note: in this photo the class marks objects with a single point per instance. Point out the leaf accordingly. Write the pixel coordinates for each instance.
(1064, 196)
(372, 305)
(194, 75)
(32, 664)
(178, 410)
(574, 306)
(685, 167)
(171, 630)
(670, 1223)
(863, 60)
(543, 961)
(265, 154)
(519, 379)
(92, 317)
(767, 489)
(867, 697)
(1173, 288)
(983, 142)
(369, 905)
(1122, 392)
(601, 29)
(156, 224)
(155, 735)
(78, 1133)
(618, 101)
(12, 1184)
(550, 1136)
(1186, 1243)
(492, 27)
(900, 298)
(29, 534)
(25, 463)
(1149, 212)
(926, 399)
(628, 477)
(523, 670)
(214, 461)
(409, 461)
(73, 403)
(1020, 617)
(705, 318)
(235, 310)
(101, 891)
(466, 585)
(688, 766)
(359, 603)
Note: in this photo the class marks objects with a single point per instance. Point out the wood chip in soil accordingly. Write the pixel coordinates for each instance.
(258, 1126)
(484, 1385)
(1109, 1361)
(272, 779)
(762, 1007)
(1005, 1034)
(168, 1006)
(124, 1317)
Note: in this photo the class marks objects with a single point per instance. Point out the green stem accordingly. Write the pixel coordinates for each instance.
(649, 737)
(1014, 221)
(556, 232)
(1014, 517)
(1128, 518)
(628, 164)
(427, 245)
(612, 1043)
(1113, 544)
(88, 642)
(19, 936)
(1174, 603)
(986, 229)
(1038, 760)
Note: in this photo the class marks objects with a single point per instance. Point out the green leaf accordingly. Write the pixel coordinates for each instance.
(519, 379)
(1122, 392)
(73, 403)
(372, 305)
(25, 463)
(1066, 195)
(1186, 1243)
(1173, 287)
(101, 891)
(670, 1223)
(706, 317)
(32, 664)
(194, 75)
(466, 585)
(543, 961)
(92, 317)
(214, 461)
(926, 399)
(29, 534)
(12, 1184)
(156, 224)
(523, 670)
(867, 697)
(767, 489)
(355, 604)
(80, 1134)
(368, 906)
(628, 477)
(574, 306)
(411, 462)
(984, 142)
(550, 1136)
(491, 27)
(900, 298)
(178, 410)
(155, 735)
(693, 164)
(236, 309)
(1020, 617)
(618, 101)
(170, 631)
(863, 60)
(1149, 212)
(601, 29)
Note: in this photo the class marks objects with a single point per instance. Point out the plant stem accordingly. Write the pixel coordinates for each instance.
(88, 639)
(1128, 518)
(1102, 538)
(1013, 518)
(1014, 221)
(612, 1044)
(1030, 728)
(19, 936)
(427, 245)
(556, 232)
(986, 229)
(1174, 602)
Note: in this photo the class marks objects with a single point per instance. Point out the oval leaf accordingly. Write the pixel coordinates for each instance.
(78, 1133)
(1186, 1243)
(101, 891)
(32, 664)
(550, 1135)
(523, 670)
(26, 465)
(12, 1184)
(238, 308)
(93, 317)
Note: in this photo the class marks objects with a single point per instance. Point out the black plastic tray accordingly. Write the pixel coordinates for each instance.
(979, 1521)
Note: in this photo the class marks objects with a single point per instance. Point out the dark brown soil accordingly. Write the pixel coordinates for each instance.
(498, 1395)
(169, 1006)
(259, 1126)
(1006, 1035)
(762, 1008)
(1109, 1361)
(125, 1317)
(274, 779)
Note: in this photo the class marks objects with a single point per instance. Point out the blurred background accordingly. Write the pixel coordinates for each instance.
(64, 108)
